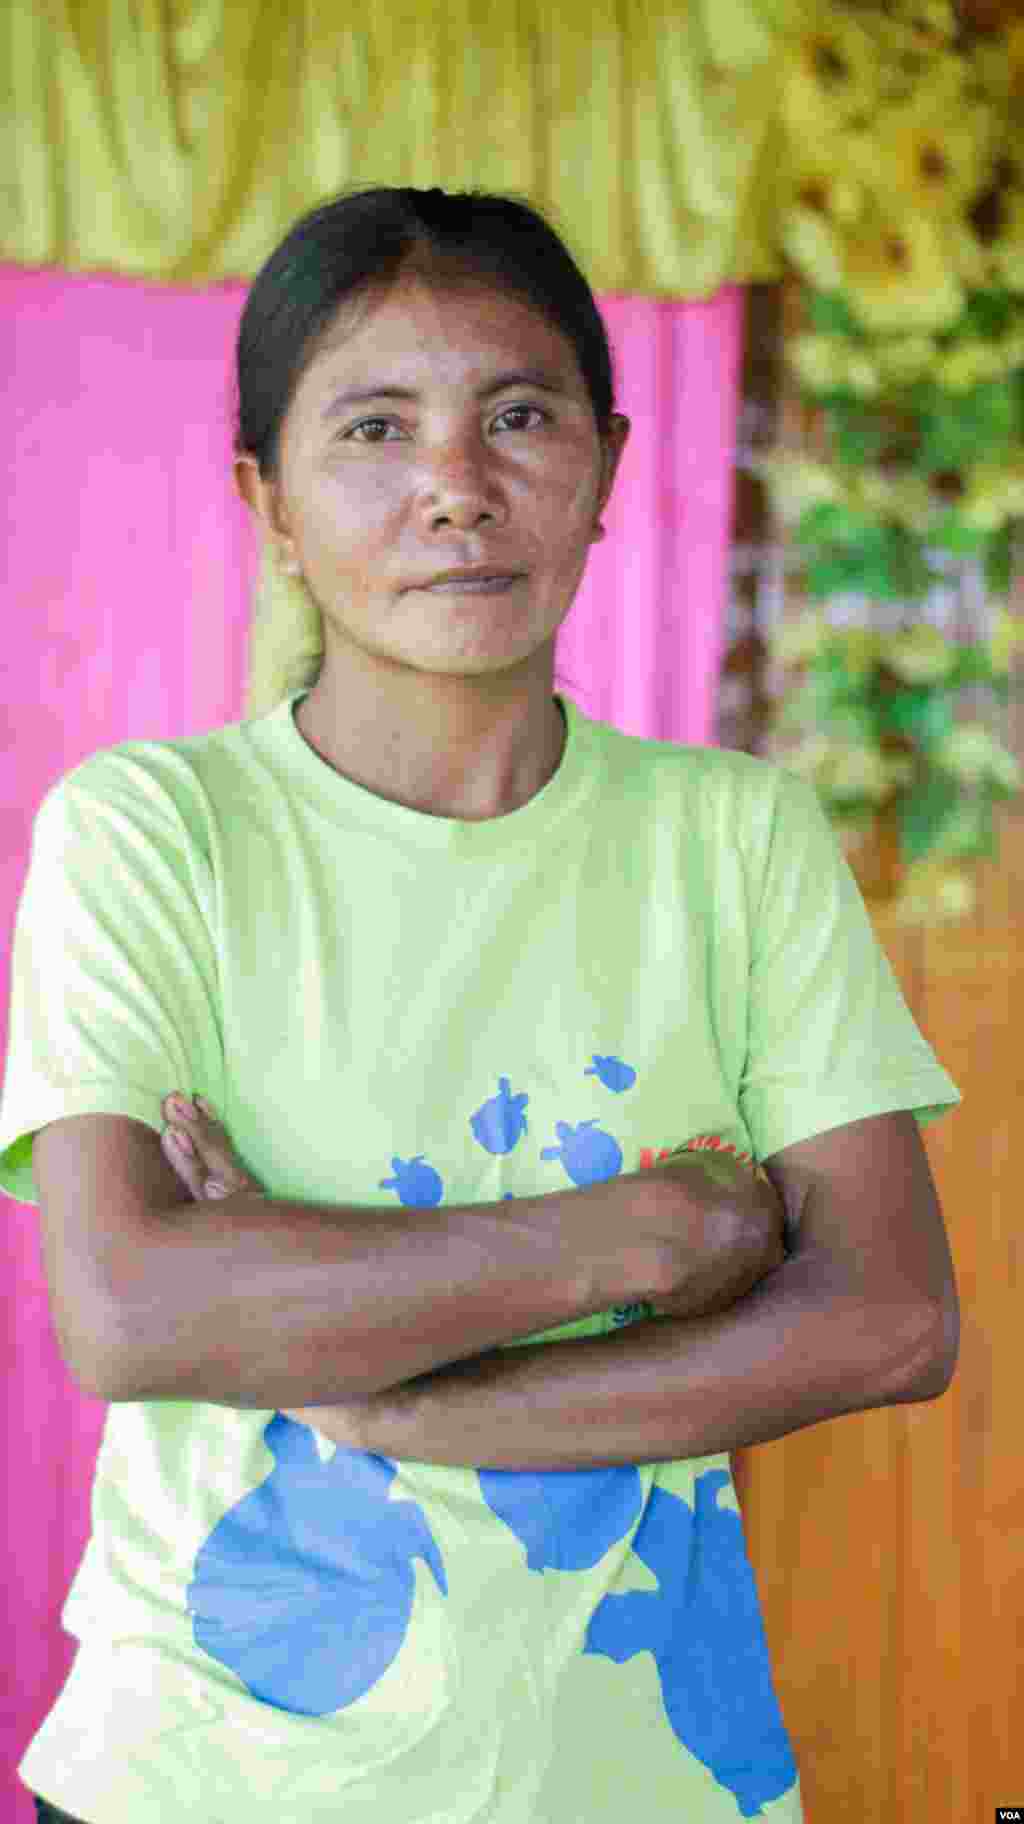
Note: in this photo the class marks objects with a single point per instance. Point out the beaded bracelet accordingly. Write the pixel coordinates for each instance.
(713, 1143)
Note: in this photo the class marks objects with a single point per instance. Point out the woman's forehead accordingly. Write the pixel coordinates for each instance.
(418, 318)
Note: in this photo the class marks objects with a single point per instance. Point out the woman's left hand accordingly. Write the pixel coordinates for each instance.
(207, 1164)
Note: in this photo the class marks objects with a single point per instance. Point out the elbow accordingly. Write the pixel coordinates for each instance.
(926, 1371)
(84, 1336)
(105, 1362)
(102, 1370)
(947, 1352)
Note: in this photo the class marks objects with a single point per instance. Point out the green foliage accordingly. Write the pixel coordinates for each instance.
(924, 715)
(951, 534)
(830, 315)
(848, 692)
(859, 555)
(988, 316)
(829, 696)
(938, 818)
(972, 665)
(923, 811)
(999, 563)
(958, 429)
(856, 428)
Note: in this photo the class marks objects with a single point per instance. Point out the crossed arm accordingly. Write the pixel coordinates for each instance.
(862, 1313)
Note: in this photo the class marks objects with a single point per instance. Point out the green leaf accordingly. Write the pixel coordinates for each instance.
(833, 692)
(922, 715)
(848, 720)
(881, 579)
(999, 564)
(912, 576)
(962, 428)
(897, 575)
(831, 575)
(968, 830)
(922, 813)
(829, 313)
(821, 523)
(859, 436)
(952, 535)
(989, 314)
(972, 666)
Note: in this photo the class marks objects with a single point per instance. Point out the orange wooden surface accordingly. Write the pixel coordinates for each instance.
(889, 1545)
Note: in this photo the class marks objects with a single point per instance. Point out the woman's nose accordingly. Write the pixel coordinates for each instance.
(462, 479)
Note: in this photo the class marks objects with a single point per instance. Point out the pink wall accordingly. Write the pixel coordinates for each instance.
(128, 559)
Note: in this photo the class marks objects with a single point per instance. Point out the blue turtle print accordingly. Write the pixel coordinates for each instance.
(612, 1072)
(499, 1123)
(305, 1587)
(418, 1185)
(588, 1157)
(704, 1628)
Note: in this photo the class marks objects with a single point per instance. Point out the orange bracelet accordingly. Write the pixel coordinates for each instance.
(713, 1143)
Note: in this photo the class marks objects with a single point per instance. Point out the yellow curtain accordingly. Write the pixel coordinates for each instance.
(179, 139)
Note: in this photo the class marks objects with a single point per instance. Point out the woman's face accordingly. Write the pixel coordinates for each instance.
(377, 495)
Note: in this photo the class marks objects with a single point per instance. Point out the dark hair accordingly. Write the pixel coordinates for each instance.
(363, 239)
(353, 244)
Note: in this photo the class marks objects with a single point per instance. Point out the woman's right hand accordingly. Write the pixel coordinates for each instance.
(725, 1235)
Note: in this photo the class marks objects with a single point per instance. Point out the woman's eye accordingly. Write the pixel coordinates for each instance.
(510, 411)
(361, 426)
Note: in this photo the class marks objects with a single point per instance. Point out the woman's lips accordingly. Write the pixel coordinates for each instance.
(474, 585)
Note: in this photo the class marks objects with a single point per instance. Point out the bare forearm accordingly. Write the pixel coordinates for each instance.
(798, 1349)
(255, 1302)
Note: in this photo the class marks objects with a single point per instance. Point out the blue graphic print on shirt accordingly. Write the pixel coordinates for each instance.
(499, 1124)
(314, 1556)
(705, 1631)
(613, 1073)
(566, 1518)
(708, 1642)
(501, 1121)
(418, 1185)
(588, 1157)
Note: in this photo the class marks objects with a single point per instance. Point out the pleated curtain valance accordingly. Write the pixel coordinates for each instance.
(180, 139)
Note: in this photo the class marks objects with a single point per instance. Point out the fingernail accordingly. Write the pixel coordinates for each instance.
(181, 1141)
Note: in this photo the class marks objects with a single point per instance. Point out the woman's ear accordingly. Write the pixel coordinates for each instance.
(260, 497)
(614, 444)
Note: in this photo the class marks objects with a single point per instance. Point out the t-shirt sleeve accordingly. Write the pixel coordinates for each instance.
(113, 976)
(830, 1038)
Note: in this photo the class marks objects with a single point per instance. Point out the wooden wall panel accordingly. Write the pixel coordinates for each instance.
(889, 1545)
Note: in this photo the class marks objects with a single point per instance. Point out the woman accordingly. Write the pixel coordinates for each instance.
(435, 943)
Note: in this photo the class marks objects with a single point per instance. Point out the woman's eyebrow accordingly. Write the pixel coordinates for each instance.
(541, 377)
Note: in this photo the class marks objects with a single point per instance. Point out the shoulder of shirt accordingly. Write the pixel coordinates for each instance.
(717, 766)
(128, 770)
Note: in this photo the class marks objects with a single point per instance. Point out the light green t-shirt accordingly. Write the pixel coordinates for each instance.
(387, 1007)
